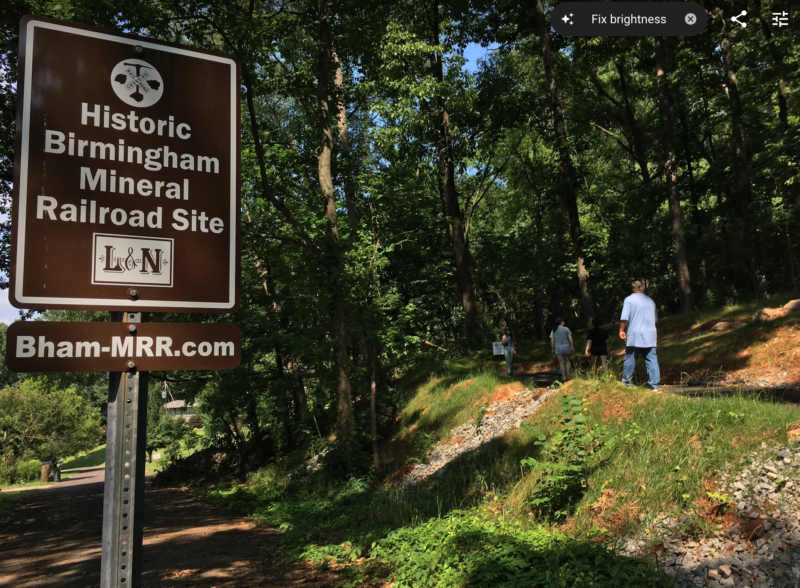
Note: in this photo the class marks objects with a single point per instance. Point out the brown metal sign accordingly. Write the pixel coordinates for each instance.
(43, 346)
(126, 177)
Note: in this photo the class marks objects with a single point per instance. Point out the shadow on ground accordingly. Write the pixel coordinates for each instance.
(53, 540)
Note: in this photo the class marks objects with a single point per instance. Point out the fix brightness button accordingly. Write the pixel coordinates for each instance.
(628, 19)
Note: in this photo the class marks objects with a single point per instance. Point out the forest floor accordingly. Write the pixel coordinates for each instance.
(755, 353)
(51, 538)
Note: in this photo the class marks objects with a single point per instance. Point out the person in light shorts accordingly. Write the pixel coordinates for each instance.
(562, 347)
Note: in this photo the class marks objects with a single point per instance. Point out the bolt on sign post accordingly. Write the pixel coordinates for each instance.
(126, 199)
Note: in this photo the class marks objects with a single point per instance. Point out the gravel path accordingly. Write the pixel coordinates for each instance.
(499, 418)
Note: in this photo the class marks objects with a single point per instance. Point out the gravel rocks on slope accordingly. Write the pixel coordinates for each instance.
(763, 550)
(499, 418)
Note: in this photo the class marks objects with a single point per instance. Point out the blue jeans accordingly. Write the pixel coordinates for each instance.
(650, 361)
(509, 353)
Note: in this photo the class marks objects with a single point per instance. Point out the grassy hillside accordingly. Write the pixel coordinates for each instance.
(479, 523)
(539, 504)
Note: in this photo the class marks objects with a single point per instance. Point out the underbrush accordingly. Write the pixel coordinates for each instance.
(619, 457)
(20, 473)
(474, 548)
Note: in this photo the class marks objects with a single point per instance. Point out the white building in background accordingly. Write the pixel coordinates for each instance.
(180, 410)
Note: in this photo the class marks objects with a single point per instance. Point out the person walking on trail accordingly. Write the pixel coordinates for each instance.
(562, 346)
(638, 329)
(508, 349)
(596, 342)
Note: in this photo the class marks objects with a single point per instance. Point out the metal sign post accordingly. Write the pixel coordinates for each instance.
(123, 498)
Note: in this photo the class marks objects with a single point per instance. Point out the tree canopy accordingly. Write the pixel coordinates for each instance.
(40, 422)
(397, 198)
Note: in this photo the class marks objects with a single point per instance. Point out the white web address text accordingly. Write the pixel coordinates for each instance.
(138, 346)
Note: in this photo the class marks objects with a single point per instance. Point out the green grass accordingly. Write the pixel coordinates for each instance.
(97, 458)
(671, 449)
(449, 397)
(474, 526)
(91, 459)
(64, 476)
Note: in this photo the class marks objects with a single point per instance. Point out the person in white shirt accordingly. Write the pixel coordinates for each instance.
(638, 329)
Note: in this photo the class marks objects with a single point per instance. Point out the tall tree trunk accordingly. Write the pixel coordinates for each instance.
(368, 346)
(301, 399)
(741, 172)
(671, 173)
(344, 149)
(447, 189)
(333, 255)
(689, 156)
(255, 426)
(570, 196)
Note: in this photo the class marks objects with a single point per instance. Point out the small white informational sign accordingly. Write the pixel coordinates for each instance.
(497, 348)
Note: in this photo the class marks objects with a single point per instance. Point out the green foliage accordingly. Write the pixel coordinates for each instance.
(723, 502)
(468, 548)
(7, 377)
(163, 429)
(41, 422)
(21, 472)
(566, 459)
(341, 462)
(92, 459)
(29, 471)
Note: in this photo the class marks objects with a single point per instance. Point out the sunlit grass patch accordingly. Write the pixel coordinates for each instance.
(670, 446)
(91, 459)
(446, 401)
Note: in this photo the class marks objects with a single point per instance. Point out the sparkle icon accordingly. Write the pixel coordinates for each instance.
(567, 19)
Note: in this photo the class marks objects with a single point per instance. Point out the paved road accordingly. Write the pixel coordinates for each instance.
(52, 540)
(79, 477)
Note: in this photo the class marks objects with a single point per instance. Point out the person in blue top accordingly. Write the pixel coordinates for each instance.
(508, 349)
(638, 329)
(562, 346)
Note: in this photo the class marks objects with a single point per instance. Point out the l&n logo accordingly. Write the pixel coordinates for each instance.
(126, 260)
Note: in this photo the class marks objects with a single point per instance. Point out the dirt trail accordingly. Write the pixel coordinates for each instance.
(52, 539)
